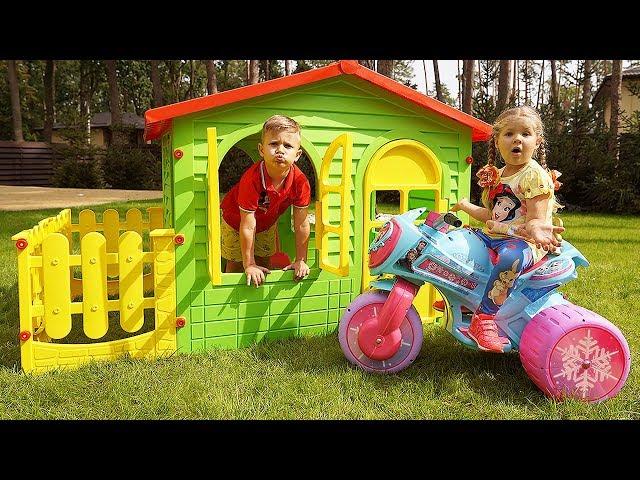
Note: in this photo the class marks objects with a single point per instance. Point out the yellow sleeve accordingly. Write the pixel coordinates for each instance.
(535, 182)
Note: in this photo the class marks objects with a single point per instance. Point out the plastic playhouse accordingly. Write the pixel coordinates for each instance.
(363, 133)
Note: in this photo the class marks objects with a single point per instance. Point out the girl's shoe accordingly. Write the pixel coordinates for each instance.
(484, 331)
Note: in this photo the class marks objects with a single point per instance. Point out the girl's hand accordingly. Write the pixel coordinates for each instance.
(541, 233)
(460, 205)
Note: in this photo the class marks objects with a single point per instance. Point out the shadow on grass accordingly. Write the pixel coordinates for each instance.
(9, 327)
(443, 362)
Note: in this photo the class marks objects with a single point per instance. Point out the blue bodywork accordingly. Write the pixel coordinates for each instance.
(456, 262)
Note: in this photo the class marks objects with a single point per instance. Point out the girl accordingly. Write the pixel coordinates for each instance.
(518, 204)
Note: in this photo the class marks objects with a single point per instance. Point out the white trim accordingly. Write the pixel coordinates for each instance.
(296, 206)
(264, 185)
(247, 211)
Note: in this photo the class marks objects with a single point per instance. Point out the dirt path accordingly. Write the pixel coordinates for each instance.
(34, 198)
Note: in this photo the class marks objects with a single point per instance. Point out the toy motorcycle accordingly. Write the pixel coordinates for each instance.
(567, 350)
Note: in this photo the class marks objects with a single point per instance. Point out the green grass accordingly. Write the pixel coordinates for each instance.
(309, 378)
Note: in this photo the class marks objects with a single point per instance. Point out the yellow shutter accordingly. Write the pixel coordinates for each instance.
(213, 208)
(323, 227)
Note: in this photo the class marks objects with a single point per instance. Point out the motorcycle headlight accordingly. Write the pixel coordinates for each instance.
(384, 243)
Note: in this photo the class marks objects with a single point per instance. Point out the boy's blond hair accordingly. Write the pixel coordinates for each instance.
(279, 123)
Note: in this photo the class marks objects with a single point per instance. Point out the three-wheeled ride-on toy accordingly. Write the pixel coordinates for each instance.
(567, 350)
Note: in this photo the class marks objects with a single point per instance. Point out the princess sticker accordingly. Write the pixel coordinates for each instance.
(506, 204)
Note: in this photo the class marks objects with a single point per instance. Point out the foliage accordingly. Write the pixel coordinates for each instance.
(403, 73)
(78, 164)
(232, 166)
(591, 180)
(446, 93)
(77, 167)
(130, 167)
(304, 65)
(134, 77)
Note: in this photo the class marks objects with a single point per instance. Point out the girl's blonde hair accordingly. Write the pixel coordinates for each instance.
(503, 119)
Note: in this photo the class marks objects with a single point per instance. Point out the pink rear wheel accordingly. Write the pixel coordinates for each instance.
(569, 351)
(363, 308)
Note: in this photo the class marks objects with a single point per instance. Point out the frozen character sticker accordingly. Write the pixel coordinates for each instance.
(505, 203)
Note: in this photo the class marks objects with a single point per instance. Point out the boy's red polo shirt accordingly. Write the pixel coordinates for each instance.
(255, 193)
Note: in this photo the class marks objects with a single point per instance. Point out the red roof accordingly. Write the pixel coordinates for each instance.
(158, 120)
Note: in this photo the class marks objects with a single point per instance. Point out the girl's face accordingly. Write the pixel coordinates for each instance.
(502, 208)
(517, 141)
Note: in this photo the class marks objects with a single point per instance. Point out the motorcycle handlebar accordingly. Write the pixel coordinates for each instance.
(452, 220)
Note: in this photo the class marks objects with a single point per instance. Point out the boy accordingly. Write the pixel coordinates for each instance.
(251, 209)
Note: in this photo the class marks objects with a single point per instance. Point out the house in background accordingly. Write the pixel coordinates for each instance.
(101, 129)
(629, 101)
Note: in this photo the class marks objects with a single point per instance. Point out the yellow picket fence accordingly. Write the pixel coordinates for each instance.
(111, 263)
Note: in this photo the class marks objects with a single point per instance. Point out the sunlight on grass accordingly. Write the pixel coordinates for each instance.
(309, 378)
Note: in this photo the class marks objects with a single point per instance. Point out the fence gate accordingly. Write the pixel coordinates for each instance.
(92, 273)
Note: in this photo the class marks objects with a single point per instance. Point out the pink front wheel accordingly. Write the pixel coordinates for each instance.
(365, 307)
(569, 351)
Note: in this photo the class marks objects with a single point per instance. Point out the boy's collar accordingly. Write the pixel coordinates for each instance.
(285, 181)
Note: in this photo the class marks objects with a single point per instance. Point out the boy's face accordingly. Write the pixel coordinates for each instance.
(281, 149)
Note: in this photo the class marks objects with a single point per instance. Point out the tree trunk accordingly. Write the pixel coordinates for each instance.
(254, 71)
(539, 96)
(467, 89)
(114, 101)
(85, 107)
(586, 85)
(515, 94)
(554, 84)
(156, 84)
(16, 112)
(616, 93)
(385, 67)
(49, 107)
(526, 82)
(212, 80)
(190, 92)
(459, 86)
(504, 82)
(426, 80)
(436, 74)
(517, 85)
(370, 64)
(287, 67)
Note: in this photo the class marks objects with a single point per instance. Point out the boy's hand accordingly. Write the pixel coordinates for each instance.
(300, 268)
(256, 273)
(541, 233)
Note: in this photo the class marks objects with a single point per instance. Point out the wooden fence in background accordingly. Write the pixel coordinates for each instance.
(26, 163)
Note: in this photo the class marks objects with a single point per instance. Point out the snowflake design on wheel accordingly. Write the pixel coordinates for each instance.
(586, 363)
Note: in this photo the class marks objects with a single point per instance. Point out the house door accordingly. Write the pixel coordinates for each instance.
(413, 170)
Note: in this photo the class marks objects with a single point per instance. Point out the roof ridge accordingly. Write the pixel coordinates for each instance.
(158, 120)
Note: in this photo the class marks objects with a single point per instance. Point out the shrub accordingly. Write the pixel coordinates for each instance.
(131, 167)
(77, 166)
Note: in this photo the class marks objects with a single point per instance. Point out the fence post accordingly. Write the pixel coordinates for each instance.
(165, 290)
(24, 296)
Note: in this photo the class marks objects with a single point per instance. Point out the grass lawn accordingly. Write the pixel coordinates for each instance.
(309, 378)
